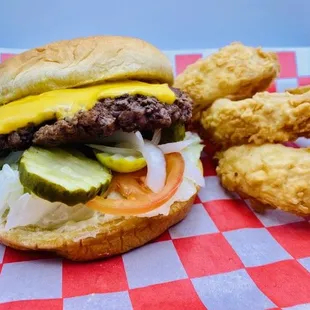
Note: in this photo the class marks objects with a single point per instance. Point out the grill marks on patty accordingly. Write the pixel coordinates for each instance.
(128, 113)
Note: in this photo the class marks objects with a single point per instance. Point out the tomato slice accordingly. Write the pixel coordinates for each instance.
(128, 186)
(139, 198)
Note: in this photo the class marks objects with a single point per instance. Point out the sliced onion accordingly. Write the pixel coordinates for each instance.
(175, 147)
(156, 166)
(123, 137)
(155, 160)
(139, 142)
(125, 145)
(10, 187)
(154, 157)
(115, 150)
(156, 137)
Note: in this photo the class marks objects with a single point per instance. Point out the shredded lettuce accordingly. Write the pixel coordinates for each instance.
(10, 188)
(193, 152)
(191, 156)
(27, 210)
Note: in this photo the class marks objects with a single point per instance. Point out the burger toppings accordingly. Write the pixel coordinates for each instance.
(61, 175)
(55, 174)
(127, 113)
(120, 163)
(139, 198)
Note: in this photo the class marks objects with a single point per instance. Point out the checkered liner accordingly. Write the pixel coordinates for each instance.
(222, 256)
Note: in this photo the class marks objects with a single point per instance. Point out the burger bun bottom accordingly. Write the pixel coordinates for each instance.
(96, 241)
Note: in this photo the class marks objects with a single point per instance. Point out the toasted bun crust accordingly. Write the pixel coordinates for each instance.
(83, 61)
(94, 242)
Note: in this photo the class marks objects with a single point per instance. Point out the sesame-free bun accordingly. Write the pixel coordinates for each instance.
(96, 241)
(79, 62)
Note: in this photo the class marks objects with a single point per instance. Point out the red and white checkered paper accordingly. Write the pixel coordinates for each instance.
(222, 256)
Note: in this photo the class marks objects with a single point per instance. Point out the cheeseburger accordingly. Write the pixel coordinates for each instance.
(95, 159)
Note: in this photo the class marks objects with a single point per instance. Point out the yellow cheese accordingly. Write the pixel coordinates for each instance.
(62, 103)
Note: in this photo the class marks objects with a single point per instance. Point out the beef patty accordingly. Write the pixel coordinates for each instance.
(127, 113)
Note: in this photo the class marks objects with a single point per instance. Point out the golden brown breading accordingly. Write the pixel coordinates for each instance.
(271, 174)
(235, 71)
(267, 117)
(299, 90)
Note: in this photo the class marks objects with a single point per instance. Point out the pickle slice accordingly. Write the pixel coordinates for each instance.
(62, 175)
(174, 133)
(120, 163)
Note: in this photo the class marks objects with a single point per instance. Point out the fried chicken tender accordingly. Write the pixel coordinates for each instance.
(271, 174)
(235, 71)
(299, 90)
(265, 118)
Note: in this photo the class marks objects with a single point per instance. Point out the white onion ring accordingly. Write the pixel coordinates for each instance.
(155, 162)
(156, 137)
(156, 166)
(122, 137)
(154, 157)
(139, 140)
(115, 150)
(175, 146)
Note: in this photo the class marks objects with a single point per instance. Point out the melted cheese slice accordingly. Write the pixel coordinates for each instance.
(59, 104)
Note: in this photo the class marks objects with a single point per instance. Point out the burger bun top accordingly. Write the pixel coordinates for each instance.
(80, 62)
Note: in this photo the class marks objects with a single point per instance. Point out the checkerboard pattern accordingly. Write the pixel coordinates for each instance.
(223, 256)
